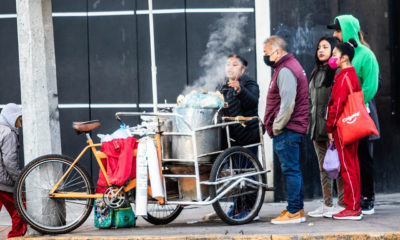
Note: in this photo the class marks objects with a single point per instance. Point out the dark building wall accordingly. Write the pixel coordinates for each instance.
(302, 27)
(106, 60)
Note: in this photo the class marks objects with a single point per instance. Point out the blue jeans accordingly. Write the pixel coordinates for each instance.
(287, 148)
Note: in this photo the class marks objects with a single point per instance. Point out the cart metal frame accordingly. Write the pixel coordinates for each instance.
(227, 121)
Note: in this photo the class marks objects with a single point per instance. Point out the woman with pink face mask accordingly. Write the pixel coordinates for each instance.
(349, 166)
(320, 88)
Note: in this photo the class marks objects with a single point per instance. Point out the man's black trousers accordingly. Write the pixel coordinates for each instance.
(365, 158)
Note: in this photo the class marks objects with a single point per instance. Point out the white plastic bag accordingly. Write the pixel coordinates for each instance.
(147, 161)
(141, 180)
(121, 132)
(154, 170)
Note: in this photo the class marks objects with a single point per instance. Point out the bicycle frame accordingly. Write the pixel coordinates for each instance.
(99, 156)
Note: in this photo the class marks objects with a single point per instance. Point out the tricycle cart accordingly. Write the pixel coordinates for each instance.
(232, 179)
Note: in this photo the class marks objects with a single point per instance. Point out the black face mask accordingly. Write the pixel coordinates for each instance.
(268, 62)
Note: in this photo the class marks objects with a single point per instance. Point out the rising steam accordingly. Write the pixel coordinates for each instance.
(227, 36)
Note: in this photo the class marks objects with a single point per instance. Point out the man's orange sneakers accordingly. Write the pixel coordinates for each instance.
(287, 217)
(303, 215)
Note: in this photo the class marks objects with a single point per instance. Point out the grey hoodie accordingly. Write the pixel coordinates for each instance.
(9, 168)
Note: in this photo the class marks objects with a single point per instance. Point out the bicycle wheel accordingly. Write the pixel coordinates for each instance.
(243, 202)
(52, 215)
(161, 214)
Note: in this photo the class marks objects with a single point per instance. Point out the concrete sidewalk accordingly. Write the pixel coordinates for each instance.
(384, 224)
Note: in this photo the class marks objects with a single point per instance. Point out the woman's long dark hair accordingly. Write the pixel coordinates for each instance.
(330, 73)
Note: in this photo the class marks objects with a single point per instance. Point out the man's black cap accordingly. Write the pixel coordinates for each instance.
(335, 25)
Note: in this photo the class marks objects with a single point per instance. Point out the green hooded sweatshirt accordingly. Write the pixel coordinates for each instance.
(364, 60)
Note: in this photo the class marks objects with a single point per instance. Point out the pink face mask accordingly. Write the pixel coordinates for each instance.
(333, 62)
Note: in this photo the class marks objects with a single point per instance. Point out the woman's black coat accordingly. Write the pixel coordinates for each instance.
(244, 103)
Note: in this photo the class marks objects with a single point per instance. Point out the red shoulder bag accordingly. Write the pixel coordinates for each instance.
(355, 122)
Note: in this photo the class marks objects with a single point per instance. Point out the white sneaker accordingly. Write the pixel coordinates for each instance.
(368, 211)
(319, 212)
(333, 211)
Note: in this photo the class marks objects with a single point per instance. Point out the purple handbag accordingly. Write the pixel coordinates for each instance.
(331, 162)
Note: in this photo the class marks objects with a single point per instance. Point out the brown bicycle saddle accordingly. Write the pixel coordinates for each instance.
(85, 127)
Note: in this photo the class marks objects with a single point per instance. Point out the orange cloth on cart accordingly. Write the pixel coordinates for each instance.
(120, 163)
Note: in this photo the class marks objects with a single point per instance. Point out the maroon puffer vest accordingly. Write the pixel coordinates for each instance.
(299, 120)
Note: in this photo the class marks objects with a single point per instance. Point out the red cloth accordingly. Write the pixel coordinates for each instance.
(18, 225)
(350, 172)
(340, 90)
(120, 164)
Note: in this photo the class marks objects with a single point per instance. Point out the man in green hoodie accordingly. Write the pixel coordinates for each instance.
(367, 69)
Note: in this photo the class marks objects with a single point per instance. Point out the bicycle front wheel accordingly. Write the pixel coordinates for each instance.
(53, 215)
